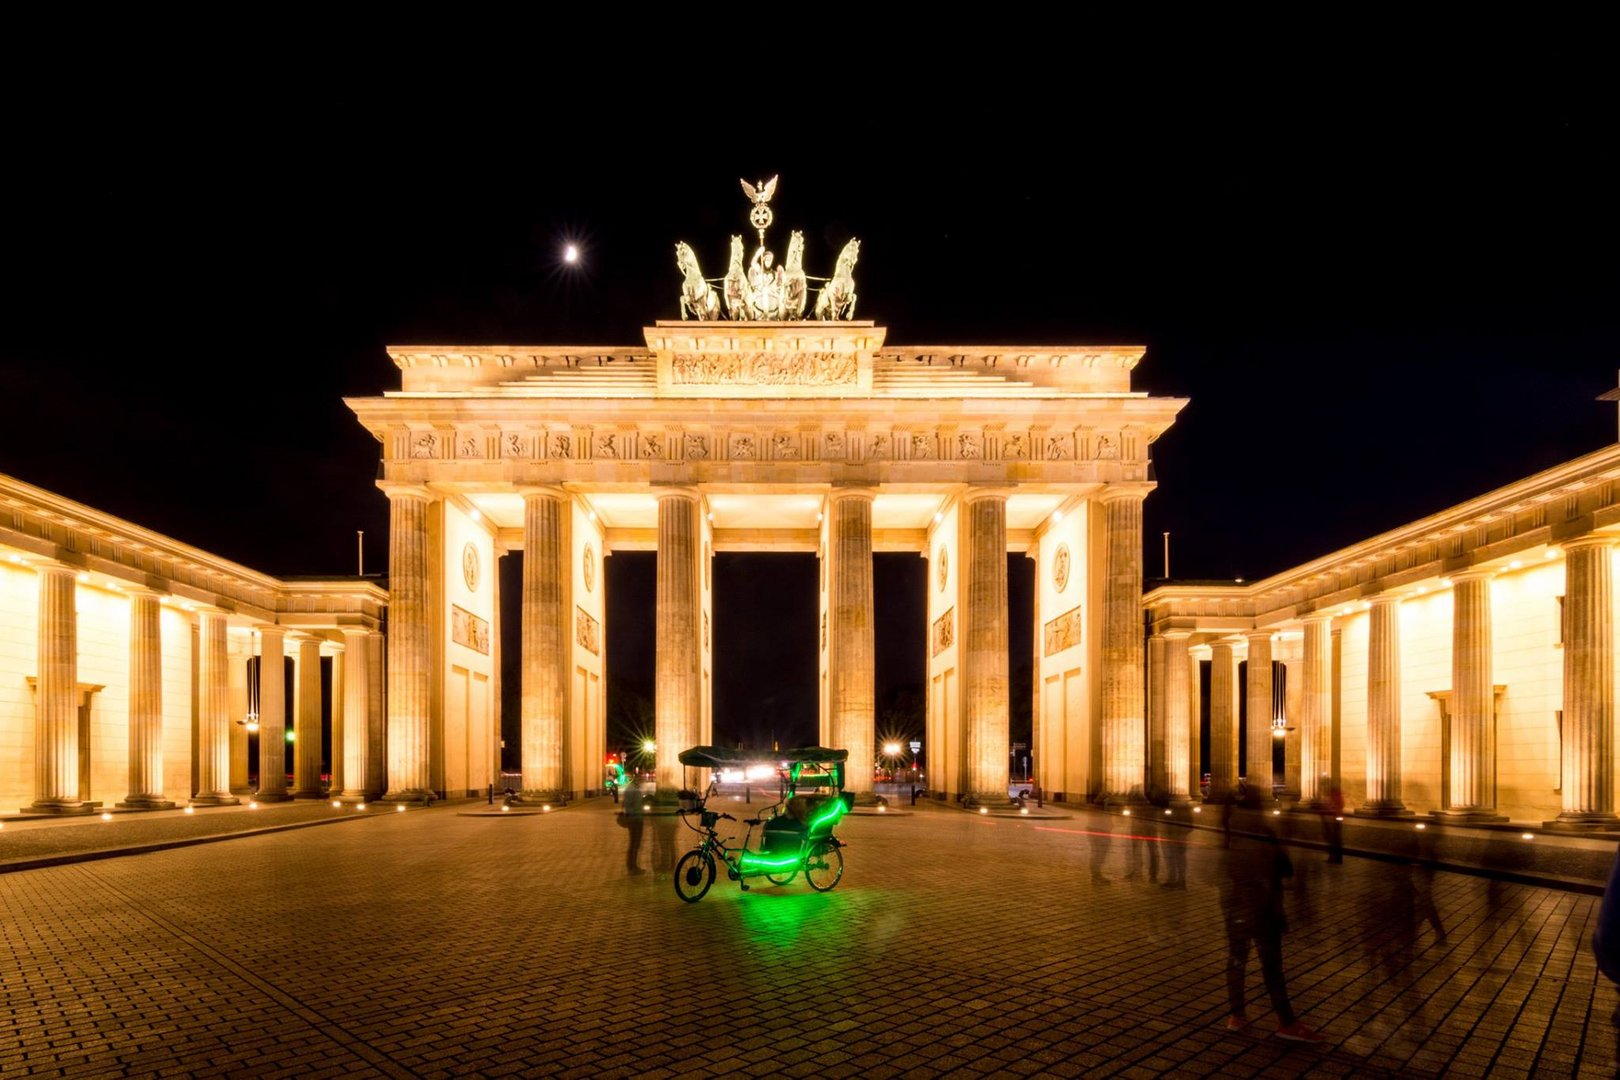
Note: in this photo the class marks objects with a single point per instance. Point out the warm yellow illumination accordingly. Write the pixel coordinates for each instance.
(1057, 516)
(545, 808)
(106, 816)
(1528, 836)
(1167, 811)
(984, 810)
(400, 808)
(253, 806)
(1278, 813)
(1515, 564)
(1421, 825)
(1552, 553)
(891, 748)
(570, 254)
(506, 809)
(191, 809)
(84, 576)
(882, 809)
(360, 806)
(1024, 810)
(648, 746)
(1198, 809)
(335, 804)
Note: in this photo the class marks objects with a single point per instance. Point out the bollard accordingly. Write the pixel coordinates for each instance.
(490, 792)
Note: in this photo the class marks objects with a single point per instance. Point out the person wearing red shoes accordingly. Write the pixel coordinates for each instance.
(1252, 903)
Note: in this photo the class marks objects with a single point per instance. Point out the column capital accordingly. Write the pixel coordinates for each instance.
(396, 489)
(550, 491)
(1176, 635)
(1589, 540)
(1201, 652)
(839, 492)
(676, 491)
(1472, 574)
(1112, 492)
(1268, 633)
(1390, 598)
(976, 493)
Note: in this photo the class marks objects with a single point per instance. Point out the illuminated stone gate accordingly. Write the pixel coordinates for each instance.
(777, 436)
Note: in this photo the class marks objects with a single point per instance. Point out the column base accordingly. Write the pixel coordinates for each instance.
(355, 797)
(409, 796)
(273, 796)
(1179, 802)
(1468, 817)
(541, 798)
(146, 802)
(1383, 810)
(1578, 822)
(62, 807)
(215, 800)
(307, 795)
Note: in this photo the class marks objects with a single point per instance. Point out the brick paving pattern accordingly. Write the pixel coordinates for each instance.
(434, 944)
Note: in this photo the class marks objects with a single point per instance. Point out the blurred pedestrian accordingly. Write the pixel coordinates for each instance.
(632, 818)
(1175, 859)
(1252, 903)
(663, 845)
(1606, 938)
(1332, 810)
(1102, 839)
(1142, 838)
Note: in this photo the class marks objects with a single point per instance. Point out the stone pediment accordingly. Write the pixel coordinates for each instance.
(764, 359)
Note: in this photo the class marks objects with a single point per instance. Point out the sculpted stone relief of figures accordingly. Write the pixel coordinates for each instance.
(944, 631)
(764, 369)
(1063, 632)
(467, 447)
(424, 444)
(587, 631)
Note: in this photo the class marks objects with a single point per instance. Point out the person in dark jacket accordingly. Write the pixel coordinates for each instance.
(1252, 903)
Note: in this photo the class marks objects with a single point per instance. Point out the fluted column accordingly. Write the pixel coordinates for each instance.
(272, 715)
(1316, 710)
(213, 713)
(1588, 752)
(850, 638)
(678, 653)
(376, 718)
(1157, 717)
(337, 713)
(356, 692)
(984, 638)
(1195, 719)
(1473, 701)
(546, 652)
(307, 725)
(145, 703)
(1223, 721)
(1261, 706)
(1178, 722)
(1384, 707)
(56, 696)
(1291, 694)
(410, 646)
(1123, 711)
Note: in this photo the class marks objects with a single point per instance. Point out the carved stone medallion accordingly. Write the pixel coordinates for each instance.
(589, 568)
(1060, 567)
(944, 561)
(469, 567)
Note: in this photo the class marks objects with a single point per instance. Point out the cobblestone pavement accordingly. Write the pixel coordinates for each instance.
(436, 943)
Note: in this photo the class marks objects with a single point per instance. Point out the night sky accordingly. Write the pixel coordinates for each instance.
(1378, 306)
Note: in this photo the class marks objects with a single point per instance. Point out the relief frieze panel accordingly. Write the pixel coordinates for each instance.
(764, 369)
(944, 635)
(468, 630)
(587, 631)
(514, 445)
(1063, 632)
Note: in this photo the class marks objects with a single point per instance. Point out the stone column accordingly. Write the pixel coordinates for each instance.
(376, 719)
(1223, 721)
(272, 715)
(1473, 701)
(984, 646)
(1178, 723)
(145, 703)
(213, 713)
(339, 693)
(1261, 708)
(56, 697)
(678, 655)
(1196, 655)
(1588, 751)
(1123, 712)
(307, 725)
(1316, 711)
(1157, 718)
(1292, 678)
(546, 642)
(410, 645)
(850, 641)
(1384, 707)
(355, 751)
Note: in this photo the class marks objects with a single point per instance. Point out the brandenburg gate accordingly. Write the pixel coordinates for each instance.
(750, 427)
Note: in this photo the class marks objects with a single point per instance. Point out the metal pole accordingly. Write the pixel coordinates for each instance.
(1167, 556)
(360, 546)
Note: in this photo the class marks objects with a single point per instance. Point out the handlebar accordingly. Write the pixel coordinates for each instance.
(728, 817)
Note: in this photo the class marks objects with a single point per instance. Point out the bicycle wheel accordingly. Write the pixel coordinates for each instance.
(693, 875)
(782, 879)
(825, 866)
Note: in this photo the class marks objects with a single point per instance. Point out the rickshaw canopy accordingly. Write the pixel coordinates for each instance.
(724, 757)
